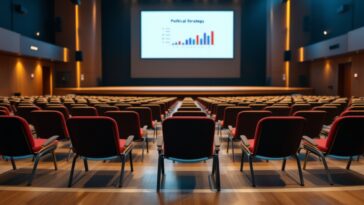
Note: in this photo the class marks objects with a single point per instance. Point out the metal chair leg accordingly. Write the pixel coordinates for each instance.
(13, 163)
(36, 161)
(54, 161)
(252, 170)
(146, 140)
(218, 183)
(299, 169)
(242, 161)
(349, 163)
(85, 164)
(122, 158)
(131, 160)
(159, 172)
(72, 170)
(228, 145)
(327, 170)
(284, 165)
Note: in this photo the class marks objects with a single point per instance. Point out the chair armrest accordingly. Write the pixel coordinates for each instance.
(50, 140)
(309, 140)
(129, 140)
(244, 140)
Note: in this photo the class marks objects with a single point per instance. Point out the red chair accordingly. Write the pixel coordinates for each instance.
(129, 124)
(299, 107)
(156, 111)
(24, 112)
(188, 139)
(332, 113)
(246, 124)
(5, 110)
(189, 109)
(145, 116)
(48, 123)
(345, 140)
(276, 138)
(17, 143)
(122, 106)
(61, 109)
(230, 115)
(314, 121)
(97, 138)
(84, 111)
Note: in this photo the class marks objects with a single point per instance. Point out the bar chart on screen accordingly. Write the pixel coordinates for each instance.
(187, 34)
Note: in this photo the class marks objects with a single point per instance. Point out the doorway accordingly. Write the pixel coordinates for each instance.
(344, 81)
(47, 80)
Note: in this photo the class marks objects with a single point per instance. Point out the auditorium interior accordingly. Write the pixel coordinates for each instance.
(181, 102)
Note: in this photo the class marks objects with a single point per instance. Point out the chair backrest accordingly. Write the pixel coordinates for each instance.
(247, 121)
(314, 121)
(156, 111)
(128, 123)
(346, 136)
(299, 107)
(352, 113)
(231, 113)
(188, 137)
(332, 113)
(279, 110)
(48, 123)
(220, 110)
(61, 109)
(94, 137)
(102, 109)
(278, 136)
(7, 105)
(16, 137)
(84, 111)
(189, 113)
(145, 115)
(24, 112)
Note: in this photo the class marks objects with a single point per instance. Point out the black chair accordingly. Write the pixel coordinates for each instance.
(314, 121)
(84, 111)
(97, 138)
(276, 138)
(345, 140)
(188, 139)
(17, 143)
(189, 113)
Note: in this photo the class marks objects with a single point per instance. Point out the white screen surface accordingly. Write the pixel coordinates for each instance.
(187, 34)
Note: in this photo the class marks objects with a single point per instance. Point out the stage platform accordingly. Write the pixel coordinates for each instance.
(184, 90)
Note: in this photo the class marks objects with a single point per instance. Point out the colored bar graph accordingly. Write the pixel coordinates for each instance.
(204, 39)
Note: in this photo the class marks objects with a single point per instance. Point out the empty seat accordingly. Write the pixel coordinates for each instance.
(345, 140)
(97, 138)
(332, 113)
(189, 113)
(101, 110)
(276, 138)
(314, 121)
(279, 110)
(17, 142)
(24, 112)
(188, 140)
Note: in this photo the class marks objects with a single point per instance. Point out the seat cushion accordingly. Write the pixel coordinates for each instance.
(38, 144)
(321, 144)
(122, 145)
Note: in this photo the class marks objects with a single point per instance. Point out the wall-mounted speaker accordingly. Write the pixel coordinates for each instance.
(78, 2)
(58, 24)
(20, 9)
(78, 56)
(287, 55)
